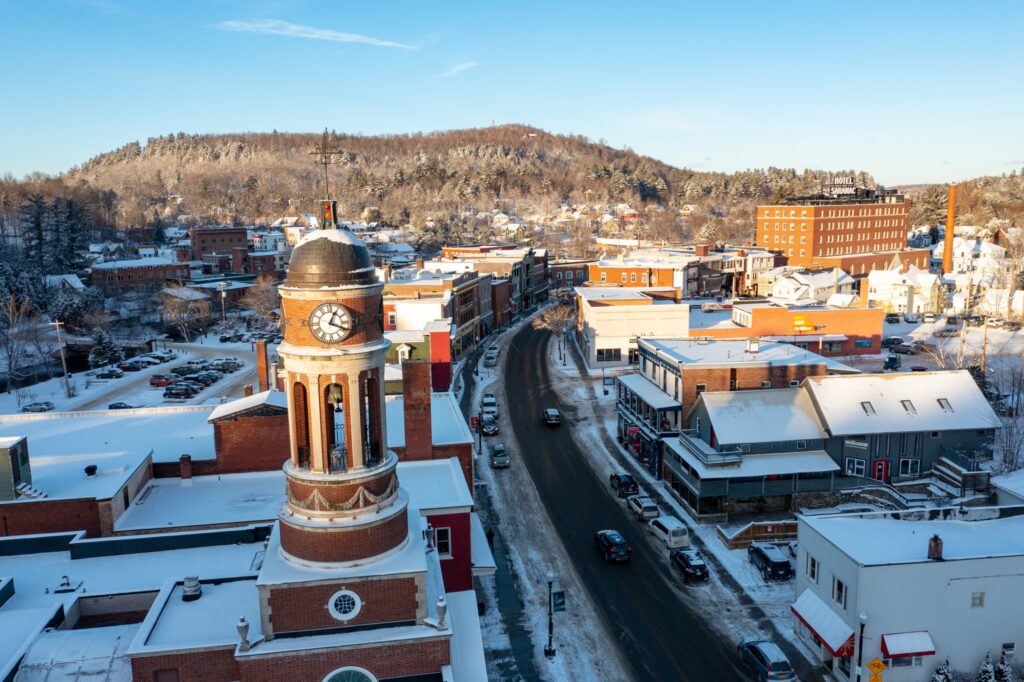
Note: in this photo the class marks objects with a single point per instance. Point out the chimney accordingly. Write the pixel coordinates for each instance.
(247, 390)
(935, 548)
(185, 467)
(416, 403)
(191, 589)
(261, 365)
(419, 263)
(947, 246)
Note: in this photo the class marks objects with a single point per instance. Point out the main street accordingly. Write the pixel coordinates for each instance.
(660, 636)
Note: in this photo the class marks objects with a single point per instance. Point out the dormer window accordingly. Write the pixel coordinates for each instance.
(944, 404)
(868, 408)
(908, 407)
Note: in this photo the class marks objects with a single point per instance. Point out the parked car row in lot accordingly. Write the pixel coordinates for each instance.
(185, 381)
(247, 337)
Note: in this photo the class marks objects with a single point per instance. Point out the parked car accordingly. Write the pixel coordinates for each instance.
(624, 485)
(952, 321)
(490, 411)
(644, 507)
(158, 358)
(224, 366)
(974, 320)
(493, 348)
(204, 379)
(499, 457)
(190, 386)
(178, 393)
(185, 370)
(995, 321)
(552, 417)
(489, 401)
(491, 360)
(120, 406)
(903, 349)
(690, 564)
(1011, 326)
(892, 363)
(892, 318)
(911, 317)
(127, 366)
(766, 659)
(613, 546)
(946, 333)
(41, 406)
(770, 561)
(890, 341)
(161, 381)
(918, 368)
(929, 317)
(489, 426)
(110, 373)
(670, 530)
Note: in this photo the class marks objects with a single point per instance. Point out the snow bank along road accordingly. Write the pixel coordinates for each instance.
(660, 636)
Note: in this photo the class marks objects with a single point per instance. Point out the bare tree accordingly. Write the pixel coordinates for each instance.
(187, 309)
(14, 313)
(558, 320)
(263, 300)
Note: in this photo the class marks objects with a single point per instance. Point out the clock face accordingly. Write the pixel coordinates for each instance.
(330, 322)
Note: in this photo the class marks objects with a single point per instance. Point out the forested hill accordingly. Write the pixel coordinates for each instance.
(257, 177)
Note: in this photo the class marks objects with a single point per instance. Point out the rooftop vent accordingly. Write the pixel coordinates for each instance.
(191, 589)
(753, 345)
(90, 470)
(935, 548)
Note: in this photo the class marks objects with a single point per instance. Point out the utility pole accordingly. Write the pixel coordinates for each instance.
(549, 650)
(223, 286)
(63, 362)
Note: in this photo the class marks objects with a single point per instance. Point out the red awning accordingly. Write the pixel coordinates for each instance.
(907, 644)
(829, 629)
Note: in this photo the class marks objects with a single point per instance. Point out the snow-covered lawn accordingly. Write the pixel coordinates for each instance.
(728, 611)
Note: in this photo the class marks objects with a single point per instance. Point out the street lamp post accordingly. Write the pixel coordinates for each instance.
(549, 650)
(223, 286)
(863, 618)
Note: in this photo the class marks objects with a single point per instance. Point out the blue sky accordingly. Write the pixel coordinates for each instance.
(909, 91)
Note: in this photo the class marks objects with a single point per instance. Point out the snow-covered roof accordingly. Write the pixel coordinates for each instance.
(434, 484)
(881, 538)
(333, 234)
(18, 628)
(404, 336)
(98, 654)
(269, 398)
(185, 294)
(894, 403)
(71, 280)
(733, 353)
(169, 431)
(467, 646)
(648, 392)
(63, 476)
(914, 277)
(759, 465)
(825, 622)
(589, 294)
(152, 261)
(764, 416)
(447, 425)
(176, 624)
(1012, 482)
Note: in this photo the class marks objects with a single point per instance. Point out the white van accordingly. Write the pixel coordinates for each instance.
(671, 531)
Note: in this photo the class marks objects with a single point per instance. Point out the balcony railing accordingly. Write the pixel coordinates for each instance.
(693, 444)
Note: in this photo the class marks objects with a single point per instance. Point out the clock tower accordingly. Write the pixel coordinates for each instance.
(343, 502)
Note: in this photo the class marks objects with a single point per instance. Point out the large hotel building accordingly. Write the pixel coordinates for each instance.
(859, 231)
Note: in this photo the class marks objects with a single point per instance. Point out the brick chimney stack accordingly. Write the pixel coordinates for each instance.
(247, 390)
(416, 401)
(185, 467)
(261, 365)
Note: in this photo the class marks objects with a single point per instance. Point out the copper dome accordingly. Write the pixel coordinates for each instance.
(330, 258)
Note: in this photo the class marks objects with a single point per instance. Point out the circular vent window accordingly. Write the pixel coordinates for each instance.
(350, 675)
(344, 605)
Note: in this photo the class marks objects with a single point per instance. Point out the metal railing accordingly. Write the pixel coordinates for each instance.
(689, 439)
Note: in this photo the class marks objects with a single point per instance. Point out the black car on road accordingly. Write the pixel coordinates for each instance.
(613, 546)
(552, 417)
(690, 564)
(624, 485)
(770, 561)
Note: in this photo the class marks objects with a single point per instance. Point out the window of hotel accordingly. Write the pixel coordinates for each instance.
(632, 277)
(701, 388)
(812, 569)
(443, 542)
(855, 466)
(977, 600)
(801, 445)
(766, 384)
(624, 277)
(839, 591)
(793, 383)
(903, 662)
(604, 276)
(643, 278)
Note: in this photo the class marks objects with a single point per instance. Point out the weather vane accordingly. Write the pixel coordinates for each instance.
(325, 150)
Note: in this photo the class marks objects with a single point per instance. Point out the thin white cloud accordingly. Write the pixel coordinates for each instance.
(457, 69)
(276, 27)
(682, 121)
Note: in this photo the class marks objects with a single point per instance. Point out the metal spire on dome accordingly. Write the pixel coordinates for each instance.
(325, 150)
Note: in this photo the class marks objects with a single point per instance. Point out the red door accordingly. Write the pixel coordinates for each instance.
(881, 472)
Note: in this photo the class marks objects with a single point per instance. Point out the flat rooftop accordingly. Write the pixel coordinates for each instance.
(613, 293)
(902, 538)
(169, 431)
(447, 425)
(207, 621)
(64, 477)
(733, 352)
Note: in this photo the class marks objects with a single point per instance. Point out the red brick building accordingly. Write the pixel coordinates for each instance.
(211, 240)
(143, 275)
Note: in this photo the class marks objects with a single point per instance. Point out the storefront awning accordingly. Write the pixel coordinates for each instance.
(831, 630)
(907, 644)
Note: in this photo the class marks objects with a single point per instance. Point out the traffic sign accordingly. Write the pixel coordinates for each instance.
(876, 666)
(874, 677)
(558, 600)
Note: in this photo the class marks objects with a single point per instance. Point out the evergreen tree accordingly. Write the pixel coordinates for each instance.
(943, 673)
(104, 350)
(1004, 672)
(986, 673)
(68, 307)
(33, 229)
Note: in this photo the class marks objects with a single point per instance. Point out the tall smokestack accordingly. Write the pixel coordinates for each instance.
(947, 247)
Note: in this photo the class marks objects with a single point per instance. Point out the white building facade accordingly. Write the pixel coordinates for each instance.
(873, 570)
